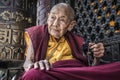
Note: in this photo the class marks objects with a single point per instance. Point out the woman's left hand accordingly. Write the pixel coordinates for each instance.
(97, 49)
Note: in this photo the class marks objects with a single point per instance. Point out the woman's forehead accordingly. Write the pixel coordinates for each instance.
(58, 10)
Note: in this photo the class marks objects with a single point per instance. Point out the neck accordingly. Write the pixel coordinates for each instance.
(57, 39)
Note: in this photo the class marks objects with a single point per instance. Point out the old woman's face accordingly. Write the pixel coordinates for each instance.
(58, 22)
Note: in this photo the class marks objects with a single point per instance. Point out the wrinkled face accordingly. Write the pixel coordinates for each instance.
(58, 22)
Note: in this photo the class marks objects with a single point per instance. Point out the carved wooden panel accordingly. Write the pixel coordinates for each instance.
(15, 16)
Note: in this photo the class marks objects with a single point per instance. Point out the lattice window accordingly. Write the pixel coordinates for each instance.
(99, 21)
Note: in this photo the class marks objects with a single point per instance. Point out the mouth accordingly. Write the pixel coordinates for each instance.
(56, 30)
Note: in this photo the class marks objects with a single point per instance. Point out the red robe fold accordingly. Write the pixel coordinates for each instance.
(67, 69)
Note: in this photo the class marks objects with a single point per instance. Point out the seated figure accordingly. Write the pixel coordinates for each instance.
(55, 53)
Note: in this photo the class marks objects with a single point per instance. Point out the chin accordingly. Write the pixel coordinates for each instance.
(55, 34)
(57, 37)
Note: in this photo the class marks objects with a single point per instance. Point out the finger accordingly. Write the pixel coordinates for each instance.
(97, 49)
(47, 65)
(91, 44)
(98, 46)
(36, 66)
(41, 65)
(30, 66)
(98, 54)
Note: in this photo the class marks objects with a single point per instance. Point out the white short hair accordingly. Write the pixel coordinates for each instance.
(68, 9)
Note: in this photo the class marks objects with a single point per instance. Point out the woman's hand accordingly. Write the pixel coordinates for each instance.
(97, 49)
(42, 65)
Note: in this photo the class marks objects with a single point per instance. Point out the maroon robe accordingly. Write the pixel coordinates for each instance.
(67, 69)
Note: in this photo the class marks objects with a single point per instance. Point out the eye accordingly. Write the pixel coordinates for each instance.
(62, 20)
(52, 17)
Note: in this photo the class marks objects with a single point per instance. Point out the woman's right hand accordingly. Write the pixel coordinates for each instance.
(42, 65)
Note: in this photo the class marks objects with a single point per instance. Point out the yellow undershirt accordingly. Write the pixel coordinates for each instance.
(63, 51)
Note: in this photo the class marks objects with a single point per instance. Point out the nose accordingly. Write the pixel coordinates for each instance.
(56, 22)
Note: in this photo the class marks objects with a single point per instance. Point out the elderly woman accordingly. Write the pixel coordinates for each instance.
(55, 53)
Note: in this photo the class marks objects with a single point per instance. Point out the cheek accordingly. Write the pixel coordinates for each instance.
(63, 31)
(49, 22)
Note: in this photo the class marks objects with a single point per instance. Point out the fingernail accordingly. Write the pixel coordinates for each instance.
(47, 68)
(42, 68)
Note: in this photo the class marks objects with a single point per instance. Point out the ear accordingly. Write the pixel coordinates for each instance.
(71, 25)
